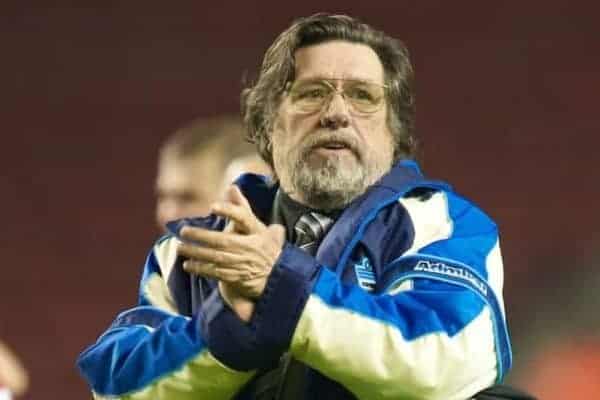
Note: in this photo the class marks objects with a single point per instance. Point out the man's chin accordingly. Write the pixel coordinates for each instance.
(330, 198)
(330, 185)
(331, 159)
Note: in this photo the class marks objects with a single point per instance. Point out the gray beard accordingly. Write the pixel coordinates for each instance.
(331, 186)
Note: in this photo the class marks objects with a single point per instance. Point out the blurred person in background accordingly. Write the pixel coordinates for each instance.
(14, 379)
(238, 166)
(197, 162)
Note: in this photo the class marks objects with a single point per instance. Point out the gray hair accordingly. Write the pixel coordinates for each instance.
(261, 100)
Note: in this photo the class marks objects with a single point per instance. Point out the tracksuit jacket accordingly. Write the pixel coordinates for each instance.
(403, 300)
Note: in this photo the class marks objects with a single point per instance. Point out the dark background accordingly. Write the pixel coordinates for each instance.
(507, 111)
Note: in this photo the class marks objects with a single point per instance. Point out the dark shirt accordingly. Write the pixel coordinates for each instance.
(287, 211)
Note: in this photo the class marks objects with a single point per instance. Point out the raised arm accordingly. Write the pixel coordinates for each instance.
(153, 352)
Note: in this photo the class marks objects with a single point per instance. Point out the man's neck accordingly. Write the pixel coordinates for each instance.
(287, 211)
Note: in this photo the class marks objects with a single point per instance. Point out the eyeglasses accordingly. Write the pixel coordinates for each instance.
(311, 95)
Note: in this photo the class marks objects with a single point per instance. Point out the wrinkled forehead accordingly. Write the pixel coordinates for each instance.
(338, 60)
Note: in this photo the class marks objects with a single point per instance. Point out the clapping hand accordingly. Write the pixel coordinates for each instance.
(241, 257)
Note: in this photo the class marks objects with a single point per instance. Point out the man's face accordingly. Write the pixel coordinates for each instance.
(327, 157)
(186, 187)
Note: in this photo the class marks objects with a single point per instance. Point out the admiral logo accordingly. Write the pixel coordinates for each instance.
(455, 272)
(364, 274)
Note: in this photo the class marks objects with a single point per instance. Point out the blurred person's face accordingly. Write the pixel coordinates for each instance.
(325, 156)
(186, 187)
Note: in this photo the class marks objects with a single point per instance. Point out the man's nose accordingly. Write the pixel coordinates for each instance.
(336, 114)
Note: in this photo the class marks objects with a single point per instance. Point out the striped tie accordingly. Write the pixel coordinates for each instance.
(310, 229)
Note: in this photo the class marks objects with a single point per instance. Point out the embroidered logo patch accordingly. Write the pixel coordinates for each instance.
(365, 274)
(452, 272)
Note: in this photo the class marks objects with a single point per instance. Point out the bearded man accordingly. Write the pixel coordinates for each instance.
(351, 276)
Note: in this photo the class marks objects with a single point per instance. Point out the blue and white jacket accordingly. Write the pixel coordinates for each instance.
(402, 300)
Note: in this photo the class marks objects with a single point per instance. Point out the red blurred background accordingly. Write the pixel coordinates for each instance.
(507, 99)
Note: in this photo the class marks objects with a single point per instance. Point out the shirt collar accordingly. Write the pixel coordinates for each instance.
(287, 211)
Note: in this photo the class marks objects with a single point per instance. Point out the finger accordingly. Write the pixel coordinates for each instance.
(235, 195)
(245, 221)
(210, 255)
(209, 270)
(233, 242)
(204, 269)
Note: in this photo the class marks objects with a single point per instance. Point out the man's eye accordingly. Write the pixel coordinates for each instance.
(361, 95)
(312, 93)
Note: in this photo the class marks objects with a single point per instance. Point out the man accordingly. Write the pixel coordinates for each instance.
(399, 295)
(191, 166)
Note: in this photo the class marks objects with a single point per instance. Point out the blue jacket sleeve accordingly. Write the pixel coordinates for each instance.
(152, 352)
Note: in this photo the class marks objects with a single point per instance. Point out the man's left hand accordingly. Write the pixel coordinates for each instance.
(242, 256)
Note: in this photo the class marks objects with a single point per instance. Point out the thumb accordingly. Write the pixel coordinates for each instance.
(235, 195)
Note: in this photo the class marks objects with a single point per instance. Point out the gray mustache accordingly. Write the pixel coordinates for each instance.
(321, 140)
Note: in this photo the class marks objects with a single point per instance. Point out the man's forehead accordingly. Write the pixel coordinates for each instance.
(340, 60)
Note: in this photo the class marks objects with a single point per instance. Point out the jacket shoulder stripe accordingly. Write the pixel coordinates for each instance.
(431, 219)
